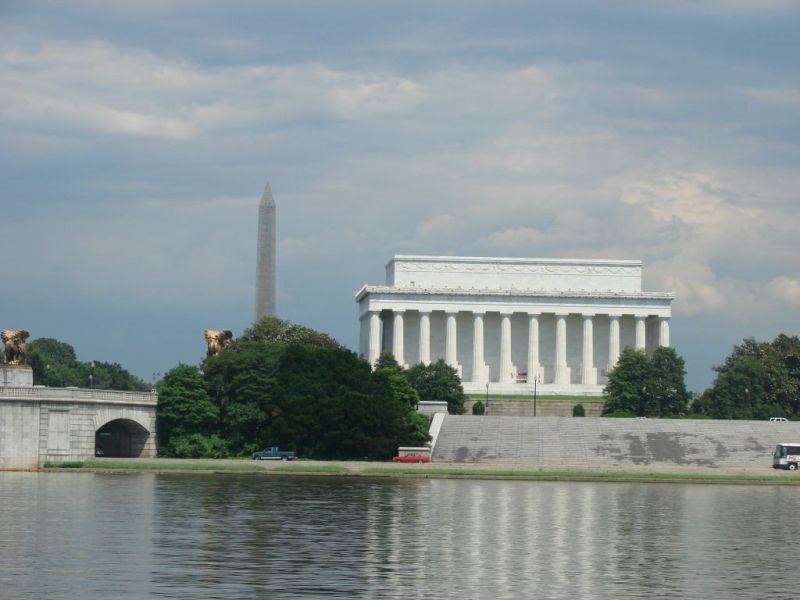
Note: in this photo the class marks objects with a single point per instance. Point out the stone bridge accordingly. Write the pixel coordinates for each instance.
(41, 424)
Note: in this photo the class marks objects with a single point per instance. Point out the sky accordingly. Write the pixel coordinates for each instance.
(136, 139)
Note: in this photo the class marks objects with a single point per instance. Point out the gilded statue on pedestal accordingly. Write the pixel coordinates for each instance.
(217, 340)
(16, 348)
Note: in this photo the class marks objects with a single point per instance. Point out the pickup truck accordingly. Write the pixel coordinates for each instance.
(274, 453)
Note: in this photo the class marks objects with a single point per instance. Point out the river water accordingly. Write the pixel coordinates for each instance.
(93, 536)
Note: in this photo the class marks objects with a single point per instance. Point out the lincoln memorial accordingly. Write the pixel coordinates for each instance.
(513, 323)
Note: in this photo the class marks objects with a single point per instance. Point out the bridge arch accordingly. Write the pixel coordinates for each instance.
(121, 438)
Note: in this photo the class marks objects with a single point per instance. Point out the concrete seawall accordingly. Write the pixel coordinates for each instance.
(603, 443)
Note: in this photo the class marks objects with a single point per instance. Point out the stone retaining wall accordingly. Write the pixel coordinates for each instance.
(544, 408)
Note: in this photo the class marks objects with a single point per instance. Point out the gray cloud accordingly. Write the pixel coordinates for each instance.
(134, 147)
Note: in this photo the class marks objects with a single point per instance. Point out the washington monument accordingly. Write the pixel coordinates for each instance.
(265, 260)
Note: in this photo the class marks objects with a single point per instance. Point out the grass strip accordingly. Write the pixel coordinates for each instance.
(489, 473)
(331, 469)
(166, 466)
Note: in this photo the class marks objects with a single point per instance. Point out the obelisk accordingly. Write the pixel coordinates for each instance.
(265, 259)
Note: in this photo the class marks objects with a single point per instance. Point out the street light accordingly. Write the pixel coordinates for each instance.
(535, 381)
(91, 376)
(486, 410)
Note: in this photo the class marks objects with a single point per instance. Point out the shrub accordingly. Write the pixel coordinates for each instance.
(478, 408)
(578, 411)
(196, 445)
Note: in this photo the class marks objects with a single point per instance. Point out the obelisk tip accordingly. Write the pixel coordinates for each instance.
(266, 198)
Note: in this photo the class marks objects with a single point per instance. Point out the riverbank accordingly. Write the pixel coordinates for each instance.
(651, 473)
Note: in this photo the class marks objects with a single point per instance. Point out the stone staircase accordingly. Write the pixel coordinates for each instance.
(596, 442)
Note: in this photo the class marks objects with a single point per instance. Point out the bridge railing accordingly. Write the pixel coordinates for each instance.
(73, 394)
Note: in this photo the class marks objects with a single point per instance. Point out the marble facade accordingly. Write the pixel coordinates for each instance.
(513, 324)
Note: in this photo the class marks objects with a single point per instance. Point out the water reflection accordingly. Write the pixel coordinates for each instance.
(171, 536)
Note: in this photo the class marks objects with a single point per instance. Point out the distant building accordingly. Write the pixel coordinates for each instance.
(513, 323)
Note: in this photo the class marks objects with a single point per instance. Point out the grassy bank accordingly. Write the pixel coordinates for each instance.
(428, 471)
(144, 465)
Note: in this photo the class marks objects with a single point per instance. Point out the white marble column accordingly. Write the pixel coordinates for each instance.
(562, 371)
(398, 335)
(451, 343)
(479, 370)
(663, 332)
(533, 348)
(506, 375)
(425, 338)
(613, 343)
(588, 371)
(374, 349)
(641, 339)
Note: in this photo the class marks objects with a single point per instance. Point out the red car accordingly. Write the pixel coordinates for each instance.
(413, 457)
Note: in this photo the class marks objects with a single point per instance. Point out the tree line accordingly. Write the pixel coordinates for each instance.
(291, 386)
(287, 385)
(758, 380)
(55, 364)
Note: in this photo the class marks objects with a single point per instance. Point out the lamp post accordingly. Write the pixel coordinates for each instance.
(535, 381)
(749, 403)
(91, 376)
(487, 399)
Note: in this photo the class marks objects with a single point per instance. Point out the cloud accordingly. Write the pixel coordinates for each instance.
(106, 88)
(787, 290)
(134, 148)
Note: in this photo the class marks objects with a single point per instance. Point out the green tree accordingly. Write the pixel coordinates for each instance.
(387, 360)
(240, 382)
(647, 386)
(55, 364)
(439, 382)
(327, 403)
(110, 376)
(758, 380)
(186, 418)
(626, 389)
(274, 330)
(286, 385)
(396, 378)
(667, 383)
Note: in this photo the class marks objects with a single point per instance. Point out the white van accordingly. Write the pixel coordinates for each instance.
(786, 456)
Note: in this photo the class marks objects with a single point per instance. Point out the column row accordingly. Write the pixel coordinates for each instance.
(507, 370)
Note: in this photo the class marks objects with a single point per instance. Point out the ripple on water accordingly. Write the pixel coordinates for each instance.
(192, 536)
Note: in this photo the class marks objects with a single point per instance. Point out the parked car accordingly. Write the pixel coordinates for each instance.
(777, 419)
(274, 453)
(412, 457)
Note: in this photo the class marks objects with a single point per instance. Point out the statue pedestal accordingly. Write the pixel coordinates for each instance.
(16, 376)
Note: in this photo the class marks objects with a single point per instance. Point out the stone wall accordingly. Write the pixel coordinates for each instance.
(544, 408)
(19, 434)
